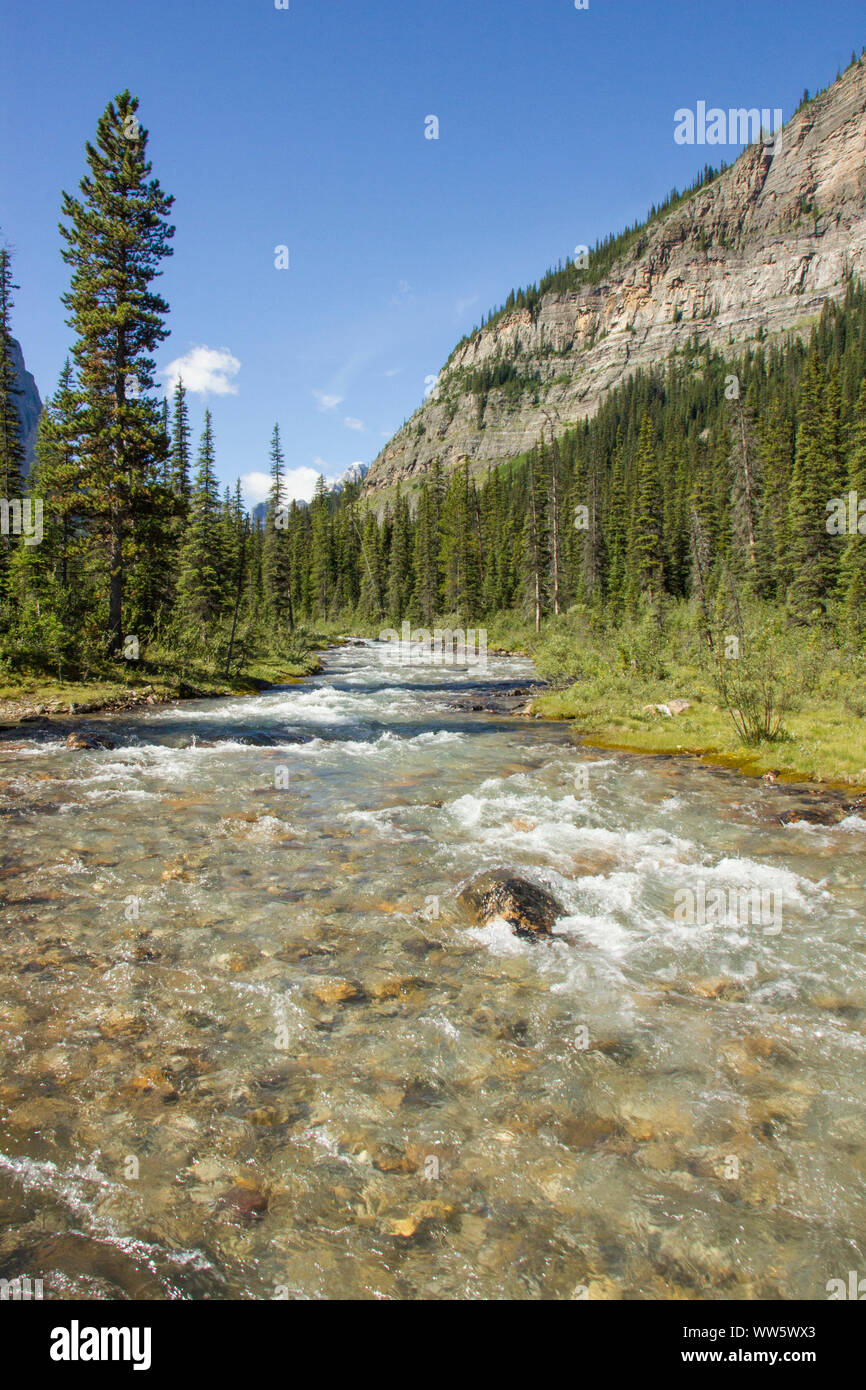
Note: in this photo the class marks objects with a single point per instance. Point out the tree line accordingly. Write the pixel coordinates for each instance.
(703, 473)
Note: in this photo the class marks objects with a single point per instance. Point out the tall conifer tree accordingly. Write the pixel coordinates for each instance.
(116, 236)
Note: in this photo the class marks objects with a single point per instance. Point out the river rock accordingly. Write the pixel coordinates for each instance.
(813, 815)
(79, 740)
(670, 709)
(245, 1202)
(339, 992)
(529, 910)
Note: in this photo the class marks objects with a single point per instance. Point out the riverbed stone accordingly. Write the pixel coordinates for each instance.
(339, 992)
(527, 908)
(80, 740)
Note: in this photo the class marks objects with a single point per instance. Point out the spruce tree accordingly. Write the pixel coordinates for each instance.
(400, 578)
(536, 538)
(647, 547)
(180, 457)
(853, 565)
(200, 583)
(116, 237)
(321, 553)
(276, 555)
(813, 484)
(426, 558)
(11, 448)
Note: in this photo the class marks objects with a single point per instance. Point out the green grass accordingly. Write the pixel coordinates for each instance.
(825, 745)
(160, 676)
(622, 672)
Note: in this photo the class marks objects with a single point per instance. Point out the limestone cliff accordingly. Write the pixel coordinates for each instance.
(759, 249)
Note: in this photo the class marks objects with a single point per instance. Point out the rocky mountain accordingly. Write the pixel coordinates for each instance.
(28, 404)
(355, 473)
(756, 250)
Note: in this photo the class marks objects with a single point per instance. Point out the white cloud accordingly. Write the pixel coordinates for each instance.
(205, 371)
(256, 486)
(299, 484)
(464, 304)
(395, 371)
(327, 402)
(352, 424)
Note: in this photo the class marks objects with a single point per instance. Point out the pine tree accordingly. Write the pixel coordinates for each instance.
(200, 584)
(853, 566)
(238, 521)
(11, 448)
(276, 555)
(647, 547)
(180, 459)
(536, 540)
(370, 598)
(62, 558)
(426, 558)
(814, 482)
(745, 489)
(321, 553)
(116, 236)
(400, 577)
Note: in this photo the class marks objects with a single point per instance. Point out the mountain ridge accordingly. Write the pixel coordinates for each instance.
(756, 251)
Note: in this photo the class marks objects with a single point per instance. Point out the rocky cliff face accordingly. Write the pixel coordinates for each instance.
(28, 404)
(759, 249)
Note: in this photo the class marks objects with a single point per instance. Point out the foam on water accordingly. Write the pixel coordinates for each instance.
(154, 1030)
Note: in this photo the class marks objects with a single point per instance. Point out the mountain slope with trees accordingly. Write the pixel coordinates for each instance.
(756, 249)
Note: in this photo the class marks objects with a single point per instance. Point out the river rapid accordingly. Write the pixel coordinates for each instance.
(253, 1045)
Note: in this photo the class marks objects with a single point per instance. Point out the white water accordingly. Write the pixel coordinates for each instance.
(580, 1099)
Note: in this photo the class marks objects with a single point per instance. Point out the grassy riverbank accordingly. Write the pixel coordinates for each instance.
(158, 679)
(826, 746)
(618, 684)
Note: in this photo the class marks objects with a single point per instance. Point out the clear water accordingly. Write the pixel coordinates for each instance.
(254, 1047)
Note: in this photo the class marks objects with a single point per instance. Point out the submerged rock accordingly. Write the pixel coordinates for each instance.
(813, 815)
(245, 1202)
(339, 992)
(528, 909)
(80, 740)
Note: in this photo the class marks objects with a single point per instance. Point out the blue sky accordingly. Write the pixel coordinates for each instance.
(305, 127)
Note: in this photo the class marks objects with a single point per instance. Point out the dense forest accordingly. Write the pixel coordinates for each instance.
(704, 482)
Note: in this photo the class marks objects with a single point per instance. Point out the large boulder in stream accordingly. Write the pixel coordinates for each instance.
(529, 910)
(78, 739)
